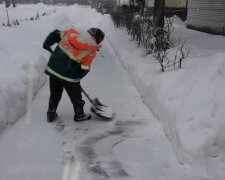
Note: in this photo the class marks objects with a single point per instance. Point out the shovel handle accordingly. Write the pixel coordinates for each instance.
(89, 98)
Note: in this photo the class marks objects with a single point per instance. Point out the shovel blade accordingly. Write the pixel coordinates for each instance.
(101, 110)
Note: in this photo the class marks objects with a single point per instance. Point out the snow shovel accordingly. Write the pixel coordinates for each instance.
(98, 108)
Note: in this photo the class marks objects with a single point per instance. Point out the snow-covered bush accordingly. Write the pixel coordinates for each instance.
(141, 27)
(122, 17)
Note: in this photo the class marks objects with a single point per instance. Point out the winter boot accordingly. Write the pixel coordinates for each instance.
(51, 115)
(52, 107)
(82, 117)
(79, 112)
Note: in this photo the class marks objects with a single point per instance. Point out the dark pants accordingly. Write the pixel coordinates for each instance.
(74, 91)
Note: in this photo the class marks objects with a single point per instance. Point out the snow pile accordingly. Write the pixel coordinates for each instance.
(189, 101)
(22, 59)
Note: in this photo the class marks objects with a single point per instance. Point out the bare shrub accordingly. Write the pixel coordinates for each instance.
(164, 43)
(157, 41)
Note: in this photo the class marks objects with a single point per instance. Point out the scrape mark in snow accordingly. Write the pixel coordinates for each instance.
(104, 164)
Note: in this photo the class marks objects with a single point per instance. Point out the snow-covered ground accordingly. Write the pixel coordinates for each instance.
(183, 140)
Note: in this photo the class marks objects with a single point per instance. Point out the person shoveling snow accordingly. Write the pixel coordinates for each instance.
(68, 64)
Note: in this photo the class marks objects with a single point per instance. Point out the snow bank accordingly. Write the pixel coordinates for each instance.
(189, 101)
(22, 59)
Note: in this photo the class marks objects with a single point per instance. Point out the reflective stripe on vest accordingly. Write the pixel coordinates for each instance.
(70, 49)
(60, 76)
(84, 67)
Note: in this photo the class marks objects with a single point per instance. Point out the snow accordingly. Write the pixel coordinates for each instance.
(21, 73)
(189, 101)
(177, 134)
(29, 149)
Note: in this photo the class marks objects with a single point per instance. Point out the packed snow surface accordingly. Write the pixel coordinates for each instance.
(180, 136)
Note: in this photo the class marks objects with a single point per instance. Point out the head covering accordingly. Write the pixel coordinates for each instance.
(97, 33)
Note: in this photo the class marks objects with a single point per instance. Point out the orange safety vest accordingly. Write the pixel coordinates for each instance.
(79, 46)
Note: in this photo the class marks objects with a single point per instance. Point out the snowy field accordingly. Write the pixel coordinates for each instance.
(183, 141)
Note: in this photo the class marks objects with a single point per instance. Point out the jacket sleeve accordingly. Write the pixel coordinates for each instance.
(52, 38)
